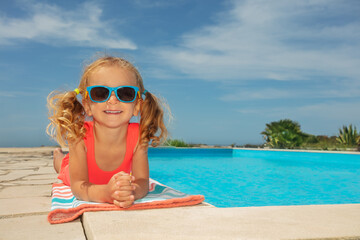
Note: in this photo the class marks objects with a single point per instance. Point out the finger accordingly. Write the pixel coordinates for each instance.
(121, 204)
(132, 187)
(123, 182)
(122, 199)
(126, 204)
(123, 195)
(117, 203)
(119, 174)
(128, 188)
(125, 177)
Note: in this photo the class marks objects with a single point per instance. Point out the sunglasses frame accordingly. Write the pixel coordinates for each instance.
(112, 89)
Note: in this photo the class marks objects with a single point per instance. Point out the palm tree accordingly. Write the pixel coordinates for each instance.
(284, 134)
(348, 136)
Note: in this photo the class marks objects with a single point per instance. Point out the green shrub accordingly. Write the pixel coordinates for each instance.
(284, 134)
(323, 143)
(348, 136)
(176, 143)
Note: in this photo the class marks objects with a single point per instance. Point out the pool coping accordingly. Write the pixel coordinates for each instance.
(199, 222)
(265, 149)
(299, 150)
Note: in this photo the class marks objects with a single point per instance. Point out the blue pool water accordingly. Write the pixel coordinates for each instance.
(239, 178)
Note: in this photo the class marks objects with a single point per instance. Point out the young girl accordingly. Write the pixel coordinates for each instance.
(107, 160)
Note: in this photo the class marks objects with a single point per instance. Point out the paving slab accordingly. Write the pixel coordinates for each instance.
(47, 170)
(37, 150)
(44, 176)
(27, 182)
(15, 175)
(23, 166)
(285, 222)
(37, 227)
(18, 206)
(25, 191)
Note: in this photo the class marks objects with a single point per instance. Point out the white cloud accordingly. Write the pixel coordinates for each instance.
(257, 94)
(13, 94)
(277, 40)
(52, 25)
(319, 111)
(154, 3)
(4, 94)
(247, 94)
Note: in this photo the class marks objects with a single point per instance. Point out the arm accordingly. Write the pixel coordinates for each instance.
(140, 170)
(79, 180)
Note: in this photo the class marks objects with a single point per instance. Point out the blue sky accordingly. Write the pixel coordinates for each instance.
(226, 68)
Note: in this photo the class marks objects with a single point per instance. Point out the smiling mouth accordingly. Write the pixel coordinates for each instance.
(112, 112)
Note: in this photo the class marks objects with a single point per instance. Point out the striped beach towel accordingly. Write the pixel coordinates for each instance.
(65, 207)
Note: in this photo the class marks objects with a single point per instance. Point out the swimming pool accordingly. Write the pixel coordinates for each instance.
(242, 178)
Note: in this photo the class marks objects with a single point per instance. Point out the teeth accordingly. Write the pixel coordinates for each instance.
(113, 111)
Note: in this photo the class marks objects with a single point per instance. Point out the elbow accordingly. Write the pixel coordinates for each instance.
(80, 190)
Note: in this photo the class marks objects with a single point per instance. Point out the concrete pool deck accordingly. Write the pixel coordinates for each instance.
(26, 175)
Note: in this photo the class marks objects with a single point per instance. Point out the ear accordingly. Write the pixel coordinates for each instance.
(86, 106)
(137, 107)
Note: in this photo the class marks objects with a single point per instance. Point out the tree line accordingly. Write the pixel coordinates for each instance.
(287, 134)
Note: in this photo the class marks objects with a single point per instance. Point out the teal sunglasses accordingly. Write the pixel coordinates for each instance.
(99, 94)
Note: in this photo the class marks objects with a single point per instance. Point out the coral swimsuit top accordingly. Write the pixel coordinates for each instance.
(97, 175)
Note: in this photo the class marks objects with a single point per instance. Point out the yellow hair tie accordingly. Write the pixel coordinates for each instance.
(77, 91)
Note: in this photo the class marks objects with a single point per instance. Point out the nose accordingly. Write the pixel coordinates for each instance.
(113, 99)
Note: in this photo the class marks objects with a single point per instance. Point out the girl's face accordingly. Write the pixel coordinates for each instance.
(112, 113)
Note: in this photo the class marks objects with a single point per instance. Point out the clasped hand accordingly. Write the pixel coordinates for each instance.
(121, 189)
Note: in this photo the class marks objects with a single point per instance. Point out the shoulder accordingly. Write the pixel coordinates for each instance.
(77, 149)
(78, 145)
(80, 140)
(141, 151)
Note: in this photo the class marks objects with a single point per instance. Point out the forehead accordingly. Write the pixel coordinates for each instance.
(112, 76)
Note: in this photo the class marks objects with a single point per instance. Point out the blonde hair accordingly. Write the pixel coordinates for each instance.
(67, 115)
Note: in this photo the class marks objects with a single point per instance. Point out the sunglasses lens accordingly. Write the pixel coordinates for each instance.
(99, 94)
(126, 94)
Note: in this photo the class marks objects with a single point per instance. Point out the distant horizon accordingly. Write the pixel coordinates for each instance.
(225, 68)
(53, 144)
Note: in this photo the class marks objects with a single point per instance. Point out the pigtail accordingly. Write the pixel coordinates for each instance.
(67, 116)
(152, 121)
